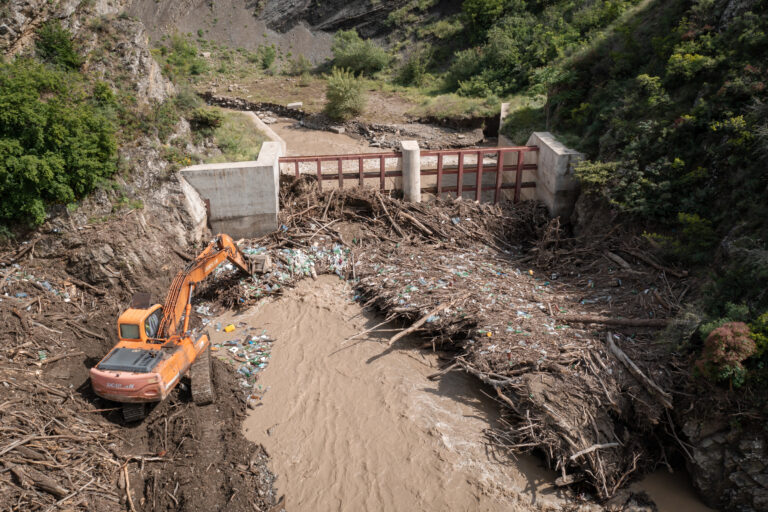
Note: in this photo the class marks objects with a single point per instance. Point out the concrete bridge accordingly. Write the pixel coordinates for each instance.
(241, 198)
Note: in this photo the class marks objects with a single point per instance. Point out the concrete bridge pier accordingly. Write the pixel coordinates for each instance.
(411, 170)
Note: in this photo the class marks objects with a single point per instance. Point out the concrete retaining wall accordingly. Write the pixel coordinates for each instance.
(242, 196)
(556, 185)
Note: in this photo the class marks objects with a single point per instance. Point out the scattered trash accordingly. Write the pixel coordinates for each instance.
(229, 328)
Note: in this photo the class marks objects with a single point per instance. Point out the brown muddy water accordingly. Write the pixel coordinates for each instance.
(351, 426)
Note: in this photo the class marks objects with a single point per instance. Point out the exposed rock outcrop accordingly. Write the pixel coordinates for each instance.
(729, 465)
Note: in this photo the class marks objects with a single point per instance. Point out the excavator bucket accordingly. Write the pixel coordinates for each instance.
(259, 263)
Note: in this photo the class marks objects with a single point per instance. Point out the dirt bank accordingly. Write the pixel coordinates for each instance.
(348, 429)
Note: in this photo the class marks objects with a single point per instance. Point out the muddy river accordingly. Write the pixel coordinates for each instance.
(350, 426)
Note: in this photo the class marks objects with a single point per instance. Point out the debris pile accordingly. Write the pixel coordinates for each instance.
(56, 456)
(250, 354)
(480, 280)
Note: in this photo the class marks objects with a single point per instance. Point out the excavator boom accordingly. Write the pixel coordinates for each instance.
(178, 301)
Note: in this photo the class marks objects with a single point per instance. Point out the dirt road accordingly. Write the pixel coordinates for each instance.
(303, 141)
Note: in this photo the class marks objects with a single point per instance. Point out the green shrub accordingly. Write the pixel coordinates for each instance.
(479, 15)
(759, 334)
(344, 93)
(265, 55)
(180, 58)
(305, 80)
(733, 313)
(163, 119)
(446, 28)
(299, 66)
(358, 55)
(103, 94)
(205, 120)
(54, 45)
(414, 70)
(55, 143)
(466, 64)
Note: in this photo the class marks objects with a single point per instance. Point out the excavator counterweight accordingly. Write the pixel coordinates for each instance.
(156, 347)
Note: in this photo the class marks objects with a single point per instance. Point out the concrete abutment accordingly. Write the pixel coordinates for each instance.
(241, 197)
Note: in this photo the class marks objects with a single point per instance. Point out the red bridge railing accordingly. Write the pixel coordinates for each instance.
(439, 163)
(360, 174)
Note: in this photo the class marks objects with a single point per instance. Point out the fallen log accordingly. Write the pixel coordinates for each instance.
(61, 356)
(650, 386)
(83, 284)
(618, 260)
(421, 321)
(442, 372)
(631, 322)
(413, 220)
(646, 259)
(33, 477)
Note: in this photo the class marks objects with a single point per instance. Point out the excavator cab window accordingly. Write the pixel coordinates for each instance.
(152, 323)
(129, 331)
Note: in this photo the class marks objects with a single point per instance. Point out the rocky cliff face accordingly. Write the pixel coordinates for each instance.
(127, 48)
(369, 18)
(302, 27)
(116, 50)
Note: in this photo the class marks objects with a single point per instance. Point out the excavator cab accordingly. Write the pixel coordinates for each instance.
(140, 324)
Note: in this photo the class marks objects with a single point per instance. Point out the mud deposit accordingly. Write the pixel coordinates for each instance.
(348, 428)
(304, 141)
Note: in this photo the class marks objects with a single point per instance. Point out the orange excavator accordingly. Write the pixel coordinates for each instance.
(156, 346)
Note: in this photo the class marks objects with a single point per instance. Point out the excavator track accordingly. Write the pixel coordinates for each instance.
(134, 412)
(202, 379)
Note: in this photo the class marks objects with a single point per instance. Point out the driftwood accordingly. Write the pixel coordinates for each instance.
(386, 212)
(645, 259)
(421, 321)
(410, 218)
(618, 260)
(650, 386)
(77, 328)
(367, 330)
(185, 257)
(30, 476)
(631, 322)
(443, 371)
(592, 449)
(60, 357)
(83, 284)
(128, 488)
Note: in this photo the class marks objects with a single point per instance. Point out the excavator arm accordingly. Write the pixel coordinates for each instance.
(178, 303)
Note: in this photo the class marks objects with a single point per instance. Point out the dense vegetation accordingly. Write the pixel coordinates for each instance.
(56, 140)
(668, 100)
(671, 108)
